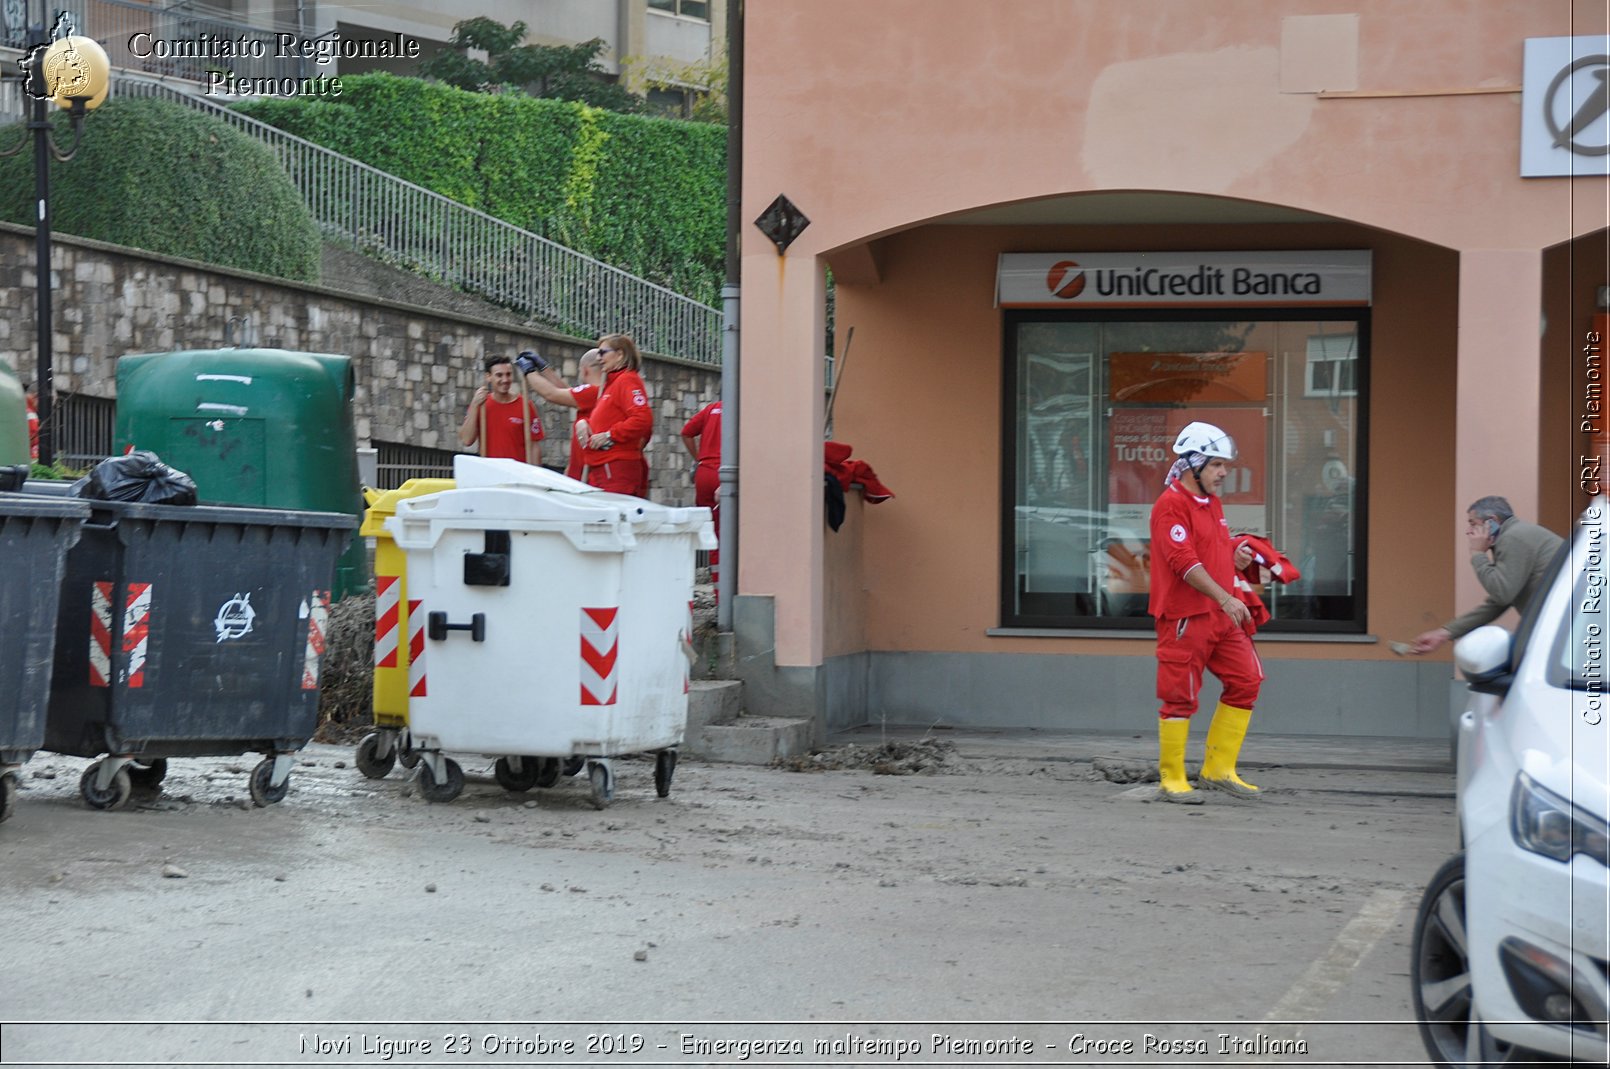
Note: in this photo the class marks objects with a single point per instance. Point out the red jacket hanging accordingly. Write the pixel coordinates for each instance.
(1264, 556)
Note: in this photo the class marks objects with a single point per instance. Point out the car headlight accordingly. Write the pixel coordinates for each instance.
(1547, 824)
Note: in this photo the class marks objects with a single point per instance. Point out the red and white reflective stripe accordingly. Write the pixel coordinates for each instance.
(136, 630)
(100, 635)
(318, 618)
(388, 591)
(416, 650)
(688, 652)
(600, 647)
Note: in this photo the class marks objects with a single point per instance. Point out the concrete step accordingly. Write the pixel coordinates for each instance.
(713, 701)
(715, 654)
(750, 740)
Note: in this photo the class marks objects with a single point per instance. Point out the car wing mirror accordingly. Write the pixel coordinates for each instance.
(1483, 656)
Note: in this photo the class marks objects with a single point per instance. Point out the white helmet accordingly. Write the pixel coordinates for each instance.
(1206, 439)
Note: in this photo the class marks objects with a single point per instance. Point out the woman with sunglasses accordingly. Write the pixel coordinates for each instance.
(619, 417)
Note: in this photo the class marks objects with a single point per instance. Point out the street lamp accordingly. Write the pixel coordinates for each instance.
(74, 73)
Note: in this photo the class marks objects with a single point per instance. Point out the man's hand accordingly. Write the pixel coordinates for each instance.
(1237, 610)
(530, 362)
(479, 399)
(601, 440)
(1243, 557)
(1478, 539)
(1430, 640)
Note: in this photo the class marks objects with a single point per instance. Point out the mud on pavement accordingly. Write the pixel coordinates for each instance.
(886, 882)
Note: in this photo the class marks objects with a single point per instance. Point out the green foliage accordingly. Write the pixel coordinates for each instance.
(647, 195)
(555, 72)
(55, 470)
(163, 177)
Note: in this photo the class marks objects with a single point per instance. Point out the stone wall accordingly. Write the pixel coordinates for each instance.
(417, 348)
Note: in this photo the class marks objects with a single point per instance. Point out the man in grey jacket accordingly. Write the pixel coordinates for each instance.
(1509, 556)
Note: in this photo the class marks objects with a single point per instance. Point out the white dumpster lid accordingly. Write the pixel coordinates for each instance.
(472, 471)
(496, 493)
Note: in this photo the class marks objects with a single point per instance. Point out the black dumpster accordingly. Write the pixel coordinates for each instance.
(35, 535)
(187, 632)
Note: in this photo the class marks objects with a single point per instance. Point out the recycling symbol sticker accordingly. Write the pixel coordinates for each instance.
(234, 619)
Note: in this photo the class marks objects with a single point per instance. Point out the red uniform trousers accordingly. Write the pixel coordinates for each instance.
(1187, 645)
(620, 477)
(706, 494)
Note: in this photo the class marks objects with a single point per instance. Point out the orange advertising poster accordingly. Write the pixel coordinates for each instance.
(1142, 449)
(1188, 378)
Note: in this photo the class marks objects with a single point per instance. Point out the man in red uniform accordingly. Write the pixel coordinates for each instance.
(701, 436)
(1200, 622)
(513, 427)
(620, 420)
(590, 370)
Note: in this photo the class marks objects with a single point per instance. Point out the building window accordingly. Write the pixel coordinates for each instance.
(1332, 365)
(1094, 400)
(693, 9)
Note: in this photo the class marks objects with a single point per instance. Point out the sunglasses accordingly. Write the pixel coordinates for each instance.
(602, 350)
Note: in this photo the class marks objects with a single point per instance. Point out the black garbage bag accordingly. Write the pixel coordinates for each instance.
(137, 476)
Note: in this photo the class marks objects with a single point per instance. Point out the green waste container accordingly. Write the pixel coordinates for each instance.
(13, 419)
(262, 427)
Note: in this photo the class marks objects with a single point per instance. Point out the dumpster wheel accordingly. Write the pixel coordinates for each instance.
(114, 796)
(148, 774)
(602, 778)
(548, 772)
(511, 780)
(8, 795)
(369, 760)
(261, 785)
(441, 792)
(664, 769)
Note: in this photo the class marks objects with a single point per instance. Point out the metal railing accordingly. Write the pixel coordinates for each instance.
(412, 227)
(83, 429)
(397, 462)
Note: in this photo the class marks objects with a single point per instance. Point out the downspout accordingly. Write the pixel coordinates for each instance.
(727, 493)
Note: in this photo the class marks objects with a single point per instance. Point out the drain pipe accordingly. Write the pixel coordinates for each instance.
(727, 493)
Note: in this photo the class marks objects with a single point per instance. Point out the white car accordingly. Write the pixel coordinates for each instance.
(1509, 948)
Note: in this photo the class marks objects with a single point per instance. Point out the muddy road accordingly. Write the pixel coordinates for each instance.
(991, 900)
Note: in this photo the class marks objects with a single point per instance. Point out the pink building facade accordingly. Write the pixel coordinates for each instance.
(1368, 238)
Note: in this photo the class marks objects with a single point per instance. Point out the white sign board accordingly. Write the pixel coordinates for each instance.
(1190, 279)
(1565, 107)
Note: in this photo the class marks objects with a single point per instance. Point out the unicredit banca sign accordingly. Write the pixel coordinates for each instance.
(1194, 279)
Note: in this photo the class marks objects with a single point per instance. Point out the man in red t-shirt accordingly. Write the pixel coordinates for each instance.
(1201, 624)
(590, 373)
(701, 436)
(513, 426)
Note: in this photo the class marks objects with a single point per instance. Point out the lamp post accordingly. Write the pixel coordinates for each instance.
(74, 73)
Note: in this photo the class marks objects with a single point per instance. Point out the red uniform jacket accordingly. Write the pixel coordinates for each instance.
(1187, 532)
(622, 410)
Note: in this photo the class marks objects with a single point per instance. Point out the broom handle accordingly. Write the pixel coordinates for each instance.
(481, 441)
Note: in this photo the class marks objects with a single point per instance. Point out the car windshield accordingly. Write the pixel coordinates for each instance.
(1580, 658)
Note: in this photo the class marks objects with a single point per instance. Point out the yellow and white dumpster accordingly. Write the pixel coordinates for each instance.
(379, 751)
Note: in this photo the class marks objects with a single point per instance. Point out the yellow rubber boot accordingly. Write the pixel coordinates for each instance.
(1224, 738)
(1171, 735)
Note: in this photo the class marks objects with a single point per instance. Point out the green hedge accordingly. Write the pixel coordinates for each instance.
(645, 194)
(166, 178)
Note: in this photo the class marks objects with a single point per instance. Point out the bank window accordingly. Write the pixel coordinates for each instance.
(1094, 400)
